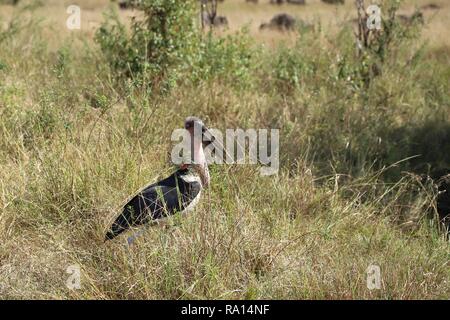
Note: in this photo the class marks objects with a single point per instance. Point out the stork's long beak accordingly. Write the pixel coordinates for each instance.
(207, 136)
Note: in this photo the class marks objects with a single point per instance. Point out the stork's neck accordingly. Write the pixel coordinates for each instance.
(203, 172)
(199, 163)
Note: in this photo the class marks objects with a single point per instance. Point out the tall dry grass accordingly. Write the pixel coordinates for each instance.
(73, 147)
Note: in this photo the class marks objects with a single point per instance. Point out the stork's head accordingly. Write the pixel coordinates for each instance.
(198, 130)
(200, 137)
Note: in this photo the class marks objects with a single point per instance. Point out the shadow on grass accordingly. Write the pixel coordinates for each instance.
(431, 143)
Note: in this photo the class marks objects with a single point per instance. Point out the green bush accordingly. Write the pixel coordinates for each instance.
(290, 68)
(166, 47)
(225, 59)
(154, 48)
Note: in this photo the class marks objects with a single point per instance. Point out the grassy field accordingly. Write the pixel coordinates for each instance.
(355, 187)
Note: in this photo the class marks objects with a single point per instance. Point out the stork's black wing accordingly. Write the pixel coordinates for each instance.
(156, 201)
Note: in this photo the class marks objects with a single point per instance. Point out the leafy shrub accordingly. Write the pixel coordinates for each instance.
(156, 45)
(378, 48)
(289, 69)
(227, 59)
(166, 46)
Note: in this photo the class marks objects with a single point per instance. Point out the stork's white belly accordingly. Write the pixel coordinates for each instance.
(193, 203)
(192, 178)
